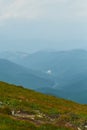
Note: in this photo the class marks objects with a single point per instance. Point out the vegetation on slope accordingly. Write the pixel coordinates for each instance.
(23, 109)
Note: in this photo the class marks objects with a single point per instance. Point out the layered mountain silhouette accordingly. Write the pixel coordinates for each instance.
(67, 69)
(16, 74)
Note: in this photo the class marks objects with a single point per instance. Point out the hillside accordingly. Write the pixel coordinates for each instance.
(23, 109)
(68, 69)
(16, 74)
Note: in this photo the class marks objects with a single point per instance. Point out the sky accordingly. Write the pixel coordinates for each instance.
(32, 25)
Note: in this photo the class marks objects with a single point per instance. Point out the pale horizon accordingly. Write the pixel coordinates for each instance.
(33, 25)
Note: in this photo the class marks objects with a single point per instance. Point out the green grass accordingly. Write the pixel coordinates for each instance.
(18, 98)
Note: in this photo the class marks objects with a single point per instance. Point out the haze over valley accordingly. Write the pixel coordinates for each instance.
(59, 73)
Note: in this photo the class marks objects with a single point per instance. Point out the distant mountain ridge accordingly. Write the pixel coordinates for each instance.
(13, 56)
(67, 69)
(19, 75)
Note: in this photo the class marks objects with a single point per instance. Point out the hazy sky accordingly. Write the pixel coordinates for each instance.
(31, 25)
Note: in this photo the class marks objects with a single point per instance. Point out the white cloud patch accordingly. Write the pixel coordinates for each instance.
(34, 9)
(17, 9)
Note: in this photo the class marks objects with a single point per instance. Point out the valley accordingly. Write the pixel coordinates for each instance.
(62, 74)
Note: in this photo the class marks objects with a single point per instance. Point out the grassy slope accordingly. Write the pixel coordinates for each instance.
(58, 112)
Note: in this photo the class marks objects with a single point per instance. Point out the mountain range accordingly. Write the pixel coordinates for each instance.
(13, 73)
(65, 71)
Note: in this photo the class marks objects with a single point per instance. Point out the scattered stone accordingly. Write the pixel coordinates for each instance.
(85, 126)
(13, 112)
(1, 103)
(79, 128)
(68, 124)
